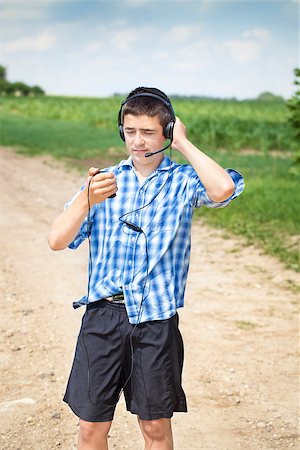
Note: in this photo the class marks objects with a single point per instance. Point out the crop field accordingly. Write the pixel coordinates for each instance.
(212, 123)
(250, 136)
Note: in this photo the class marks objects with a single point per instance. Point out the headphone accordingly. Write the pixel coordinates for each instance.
(168, 129)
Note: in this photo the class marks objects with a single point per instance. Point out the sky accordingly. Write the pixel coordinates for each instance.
(97, 48)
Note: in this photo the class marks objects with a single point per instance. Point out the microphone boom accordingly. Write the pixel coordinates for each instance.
(158, 151)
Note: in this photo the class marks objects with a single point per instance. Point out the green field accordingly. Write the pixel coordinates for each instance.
(212, 123)
(243, 135)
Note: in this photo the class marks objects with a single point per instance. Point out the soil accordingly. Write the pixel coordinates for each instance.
(239, 324)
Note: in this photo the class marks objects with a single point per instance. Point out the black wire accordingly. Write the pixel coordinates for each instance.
(90, 267)
(138, 319)
(89, 225)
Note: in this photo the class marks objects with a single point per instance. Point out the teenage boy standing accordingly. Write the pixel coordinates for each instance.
(139, 258)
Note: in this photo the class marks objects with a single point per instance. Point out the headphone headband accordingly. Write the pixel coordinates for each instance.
(166, 102)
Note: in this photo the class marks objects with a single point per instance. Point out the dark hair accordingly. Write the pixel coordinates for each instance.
(148, 105)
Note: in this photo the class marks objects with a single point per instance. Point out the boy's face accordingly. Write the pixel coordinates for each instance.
(143, 134)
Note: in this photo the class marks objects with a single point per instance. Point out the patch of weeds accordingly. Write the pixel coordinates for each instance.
(235, 249)
(254, 269)
(293, 286)
(245, 325)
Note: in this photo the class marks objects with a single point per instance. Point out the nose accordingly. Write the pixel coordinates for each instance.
(138, 139)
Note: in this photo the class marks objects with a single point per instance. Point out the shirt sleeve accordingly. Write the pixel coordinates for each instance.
(199, 194)
(85, 228)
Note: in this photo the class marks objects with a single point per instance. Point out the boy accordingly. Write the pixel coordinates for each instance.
(137, 216)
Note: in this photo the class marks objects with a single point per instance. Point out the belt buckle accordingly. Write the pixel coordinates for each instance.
(118, 298)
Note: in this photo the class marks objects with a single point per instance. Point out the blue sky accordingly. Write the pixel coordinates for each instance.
(96, 48)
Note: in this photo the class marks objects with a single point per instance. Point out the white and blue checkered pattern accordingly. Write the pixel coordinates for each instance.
(119, 253)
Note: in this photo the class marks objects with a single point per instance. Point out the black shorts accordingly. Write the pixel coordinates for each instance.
(103, 363)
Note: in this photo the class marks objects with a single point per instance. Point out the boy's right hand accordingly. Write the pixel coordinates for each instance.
(102, 185)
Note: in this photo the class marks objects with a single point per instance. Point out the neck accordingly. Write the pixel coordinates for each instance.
(145, 170)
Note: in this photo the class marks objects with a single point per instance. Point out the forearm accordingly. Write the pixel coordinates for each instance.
(66, 226)
(217, 182)
(99, 187)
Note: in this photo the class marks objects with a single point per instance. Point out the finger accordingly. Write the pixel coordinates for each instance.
(106, 190)
(104, 176)
(93, 171)
(98, 184)
(103, 186)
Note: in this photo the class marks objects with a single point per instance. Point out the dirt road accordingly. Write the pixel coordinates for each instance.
(240, 327)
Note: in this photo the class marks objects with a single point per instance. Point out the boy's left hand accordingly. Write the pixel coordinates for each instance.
(179, 134)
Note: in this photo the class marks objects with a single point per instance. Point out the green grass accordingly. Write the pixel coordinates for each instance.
(60, 138)
(214, 124)
(84, 129)
(267, 213)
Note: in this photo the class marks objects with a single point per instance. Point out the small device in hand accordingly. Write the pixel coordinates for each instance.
(101, 171)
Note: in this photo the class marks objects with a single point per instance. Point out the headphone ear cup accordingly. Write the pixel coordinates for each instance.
(121, 131)
(168, 131)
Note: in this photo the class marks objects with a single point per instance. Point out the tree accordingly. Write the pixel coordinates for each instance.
(36, 90)
(269, 97)
(2, 73)
(294, 106)
(294, 119)
(5, 87)
(18, 88)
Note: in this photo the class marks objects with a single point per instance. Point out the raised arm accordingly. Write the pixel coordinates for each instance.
(217, 182)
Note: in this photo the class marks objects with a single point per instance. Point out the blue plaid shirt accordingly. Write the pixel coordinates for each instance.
(150, 267)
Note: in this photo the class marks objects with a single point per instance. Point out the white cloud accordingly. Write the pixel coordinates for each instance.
(17, 13)
(123, 39)
(93, 47)
(242, 50)
(248, 47)
(198, 52)
(207, 5)
(43, 41)
(161, 56)
(259, 33)
(183, 33)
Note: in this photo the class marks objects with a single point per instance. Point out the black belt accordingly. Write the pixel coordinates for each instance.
(117, 298)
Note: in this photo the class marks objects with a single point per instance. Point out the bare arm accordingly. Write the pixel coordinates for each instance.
(66, 226)
(217, 182)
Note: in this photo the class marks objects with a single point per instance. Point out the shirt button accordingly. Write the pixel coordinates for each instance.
(132, 238)
(130, 262)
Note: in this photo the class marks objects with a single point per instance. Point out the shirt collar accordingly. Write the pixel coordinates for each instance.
(166, 164)
(126, 163)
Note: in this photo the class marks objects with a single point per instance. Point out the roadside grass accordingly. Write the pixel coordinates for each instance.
(267, 213)
(60, 138)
